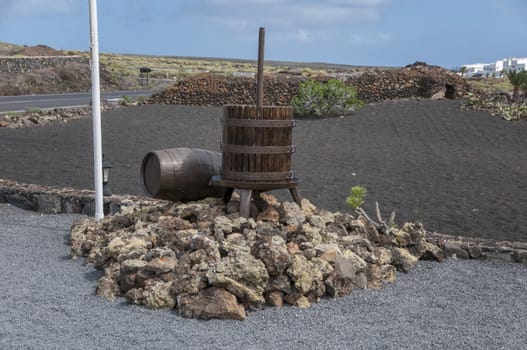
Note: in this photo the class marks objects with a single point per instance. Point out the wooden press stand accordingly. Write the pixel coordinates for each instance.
(249, 189)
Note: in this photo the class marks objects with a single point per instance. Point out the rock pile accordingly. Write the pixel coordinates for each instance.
(44, 117)
(206, 261)
(418, 80)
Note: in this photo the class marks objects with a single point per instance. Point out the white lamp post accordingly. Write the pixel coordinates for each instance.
(96, 111)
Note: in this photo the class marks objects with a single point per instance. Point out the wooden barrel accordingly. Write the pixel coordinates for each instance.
(257, 144)
(181, 174)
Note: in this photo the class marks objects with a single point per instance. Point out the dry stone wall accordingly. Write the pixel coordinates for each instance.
(29, 64)
(417, 80)
(220, 90)
(55, 200)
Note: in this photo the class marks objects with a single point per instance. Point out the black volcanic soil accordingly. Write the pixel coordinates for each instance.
(457, 172)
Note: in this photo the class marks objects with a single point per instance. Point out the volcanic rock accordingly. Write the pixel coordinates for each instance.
(211, 264)
(211, 303)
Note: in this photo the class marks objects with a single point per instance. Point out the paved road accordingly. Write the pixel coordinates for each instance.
(21, 103)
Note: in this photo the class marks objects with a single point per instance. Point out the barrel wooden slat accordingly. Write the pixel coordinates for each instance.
(258, 141)
(246, 163)
(253, 142)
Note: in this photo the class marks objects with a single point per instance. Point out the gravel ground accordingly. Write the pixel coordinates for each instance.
(48, 302)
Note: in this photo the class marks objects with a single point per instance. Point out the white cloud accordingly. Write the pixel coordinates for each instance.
(301, 35)
(290, 14)
(323, 14)
(304, 36)
(234, 23)
(38, 7)
(302, 21)
(367, 39)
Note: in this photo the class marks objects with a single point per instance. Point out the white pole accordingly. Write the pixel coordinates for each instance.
(96, 111)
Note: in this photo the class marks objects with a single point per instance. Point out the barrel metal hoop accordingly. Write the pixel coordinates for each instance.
(257, 123)
(258, 149)
(257, 176)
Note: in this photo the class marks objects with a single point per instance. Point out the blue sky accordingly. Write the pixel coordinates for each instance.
(448, 33)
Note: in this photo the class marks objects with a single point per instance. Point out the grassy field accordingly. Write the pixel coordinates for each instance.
(491, 84)
(7, 49)
(124, 68)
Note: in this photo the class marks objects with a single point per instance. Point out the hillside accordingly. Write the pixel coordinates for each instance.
(42, 69)
(11, 50)
(122, 71)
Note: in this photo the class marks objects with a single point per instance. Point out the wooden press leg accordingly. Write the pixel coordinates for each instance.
(228, 194)
(245, 202)
(296, 196)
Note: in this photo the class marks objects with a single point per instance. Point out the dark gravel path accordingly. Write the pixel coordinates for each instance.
(47, 301)
(457, 172)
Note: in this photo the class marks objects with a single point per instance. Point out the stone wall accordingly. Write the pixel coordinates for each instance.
(54, 200)
(417, 80)
(28, 64)
(219, 90)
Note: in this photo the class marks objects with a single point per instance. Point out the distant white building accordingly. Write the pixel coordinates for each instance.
(474, 70)
(516, 64)
(497, 68)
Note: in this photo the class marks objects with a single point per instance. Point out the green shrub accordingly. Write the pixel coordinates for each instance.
(329, 99)
(507, 111)
(517, 80)
(126, 100)
(32, 110)
(356, 198)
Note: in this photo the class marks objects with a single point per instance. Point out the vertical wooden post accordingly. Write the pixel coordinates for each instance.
(261, 45)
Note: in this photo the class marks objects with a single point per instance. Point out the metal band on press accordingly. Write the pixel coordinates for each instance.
(257, 123)
(242, 175)
(258, 149)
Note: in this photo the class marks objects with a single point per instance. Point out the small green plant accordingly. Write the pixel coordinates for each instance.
(523, 86)
(511, 111)
(517, 80)
(325, 99)
(126, 100)
(33, 110)
(308, 72)
(508, 110)
(356, 198)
